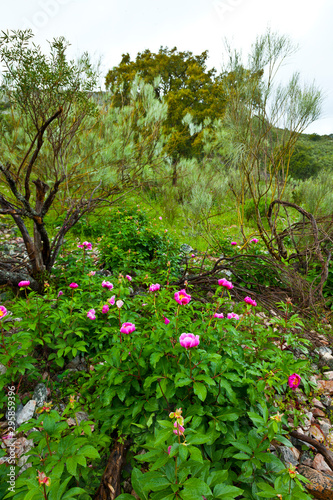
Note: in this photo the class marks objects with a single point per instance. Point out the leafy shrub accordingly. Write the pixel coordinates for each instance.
(132, 243)
(226, 386)
(250, 211)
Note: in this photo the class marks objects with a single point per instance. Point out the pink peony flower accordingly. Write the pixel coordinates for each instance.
(128, 277)
(218, 315)
(92, 273)
(227, 284)
(250, 301)
(112, 300)
(22, 284)
(234, 243)
(119, 303)
(254, 240)
(3, 312)
(160, 217)
(182, 297)
(73, 285)
(105, 309)
(179, 429)
(154, 288)
(91, 314)
(169, 449)
(232, 316)
(60, 293)
(189, 340)
(166, 321)
(127, 328)
(107, 284)
(294, 380)
(193, 255)
(86, 245)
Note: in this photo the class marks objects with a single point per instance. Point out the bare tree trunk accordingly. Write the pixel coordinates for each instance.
(109, 488)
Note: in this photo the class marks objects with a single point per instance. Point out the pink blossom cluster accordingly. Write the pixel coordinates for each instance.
(86, 245)
(250, 301)
(128, 277)
(179, 431)
(154, 288)
(107, 284)
(91, 314)
(189, 340)
(294, 380)
(3, 312)
(254, 240)
(227, 284)
(232, 315)
(23, 284)
(127, 328)
(182, 297)
(234, 243)
(218, 315)
(111, 300)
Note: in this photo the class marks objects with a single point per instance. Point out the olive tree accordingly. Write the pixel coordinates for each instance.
(63, 146)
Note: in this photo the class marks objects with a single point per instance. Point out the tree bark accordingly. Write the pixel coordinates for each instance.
(109, 488)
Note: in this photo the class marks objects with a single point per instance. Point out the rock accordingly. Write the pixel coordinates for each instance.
(77, 364)
(329, 375)
(3, 369)
(320, 465)
(313, 379)
(321, 484)
(26, 413)
(327, 401)
(326, 360)
(22, 445)
(40, 394)
(317, 433)
(286, 455)
(317, 403)
(82, 416)
(318, 413)
(325, 425)
(323, 350)
(18, 408)
(326, 386)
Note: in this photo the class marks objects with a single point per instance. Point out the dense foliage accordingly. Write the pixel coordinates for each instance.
(226, 385)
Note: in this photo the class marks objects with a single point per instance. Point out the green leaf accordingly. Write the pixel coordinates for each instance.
(157, 483)
(49, 424)
(71, 464)
(200, 390)
(242, 456)
(136, 479)
(62, 487)
(196, 486)
(73, 491)
(160, 462)
(227, 491)
(198, 438)
(241, 446)
(217, 477)
(162, 436)
(125, 496)
(88, 451)
(195, 454)
(155, 357)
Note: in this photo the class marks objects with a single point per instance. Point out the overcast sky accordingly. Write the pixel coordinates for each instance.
(109, 28)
